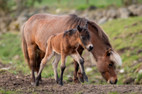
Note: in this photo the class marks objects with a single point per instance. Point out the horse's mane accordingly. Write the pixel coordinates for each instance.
(74, 20)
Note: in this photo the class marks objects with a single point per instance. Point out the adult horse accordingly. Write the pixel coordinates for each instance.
(40, 27)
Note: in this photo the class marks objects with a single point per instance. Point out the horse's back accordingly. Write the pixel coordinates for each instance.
(40, 27)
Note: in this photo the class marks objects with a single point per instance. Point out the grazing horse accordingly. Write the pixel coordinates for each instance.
(67, 46)
(37, 30)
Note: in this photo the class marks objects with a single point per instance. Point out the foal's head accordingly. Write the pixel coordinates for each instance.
(84, 37)
(107, 65)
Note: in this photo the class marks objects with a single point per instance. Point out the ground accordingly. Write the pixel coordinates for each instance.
(11, 84)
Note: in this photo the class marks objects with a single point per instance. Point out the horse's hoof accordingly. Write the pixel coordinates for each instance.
(57, 81)
(76, 80)
(81, 79)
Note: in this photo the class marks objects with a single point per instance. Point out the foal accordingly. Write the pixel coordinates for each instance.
(63, 45)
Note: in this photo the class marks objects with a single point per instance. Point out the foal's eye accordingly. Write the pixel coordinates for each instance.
(82, 37)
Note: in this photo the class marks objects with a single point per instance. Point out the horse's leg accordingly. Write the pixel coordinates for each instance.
(55, 65)
(31, 52)
(76, 67)
(77, 74)
(80, 61)
(47, 57)
(63, 66)
(40, 57)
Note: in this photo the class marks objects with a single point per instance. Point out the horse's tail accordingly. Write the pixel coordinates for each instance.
(24, 47)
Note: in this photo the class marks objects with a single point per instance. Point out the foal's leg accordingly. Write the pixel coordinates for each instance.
(47, 57)
(63, 66)
(80, 61)
(55, 65)
(31, 52)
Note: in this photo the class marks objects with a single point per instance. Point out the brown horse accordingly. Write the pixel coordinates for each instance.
(67, 46)
(40, 27)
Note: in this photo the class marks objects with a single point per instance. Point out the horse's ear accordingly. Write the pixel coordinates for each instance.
(79, 28)
(108, 52)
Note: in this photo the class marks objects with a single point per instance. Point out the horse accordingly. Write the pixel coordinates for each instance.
(38, 28)
(67, 46)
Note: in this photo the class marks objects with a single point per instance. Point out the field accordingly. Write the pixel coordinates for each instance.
(125, 36)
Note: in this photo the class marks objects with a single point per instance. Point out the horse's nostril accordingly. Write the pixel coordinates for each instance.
(113, 82)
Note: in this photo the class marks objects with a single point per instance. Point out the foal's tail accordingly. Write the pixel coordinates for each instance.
(24, 47)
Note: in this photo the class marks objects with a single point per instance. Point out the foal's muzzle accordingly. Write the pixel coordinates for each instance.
(89, 47)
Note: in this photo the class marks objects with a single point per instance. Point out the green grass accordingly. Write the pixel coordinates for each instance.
(7, 92)
(78, 4)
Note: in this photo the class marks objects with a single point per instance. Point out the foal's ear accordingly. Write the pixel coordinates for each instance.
(86, 25)
(79, 28)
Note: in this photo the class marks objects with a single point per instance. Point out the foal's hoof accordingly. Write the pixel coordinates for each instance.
(36, 83)
(60, 83)
(85, 78)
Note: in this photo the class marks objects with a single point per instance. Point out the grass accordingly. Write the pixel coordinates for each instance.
(78, 4)
(124, 34)
(7, 92)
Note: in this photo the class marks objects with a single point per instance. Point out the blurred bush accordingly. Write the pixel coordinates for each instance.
(10, 5)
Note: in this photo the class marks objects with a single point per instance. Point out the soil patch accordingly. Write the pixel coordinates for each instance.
(21, 84)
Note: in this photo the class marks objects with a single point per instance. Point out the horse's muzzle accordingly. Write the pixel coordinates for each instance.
(113, 82)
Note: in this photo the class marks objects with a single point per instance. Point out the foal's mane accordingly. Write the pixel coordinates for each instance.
(74, 20)
(69, 32)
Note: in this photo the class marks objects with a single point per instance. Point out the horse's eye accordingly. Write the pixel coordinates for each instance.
(110, 65)
(103, 72)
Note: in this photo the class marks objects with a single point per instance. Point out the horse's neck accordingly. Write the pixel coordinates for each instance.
(100, 47)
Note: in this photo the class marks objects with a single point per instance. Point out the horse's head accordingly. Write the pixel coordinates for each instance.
(84, 37)
(107, 65)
